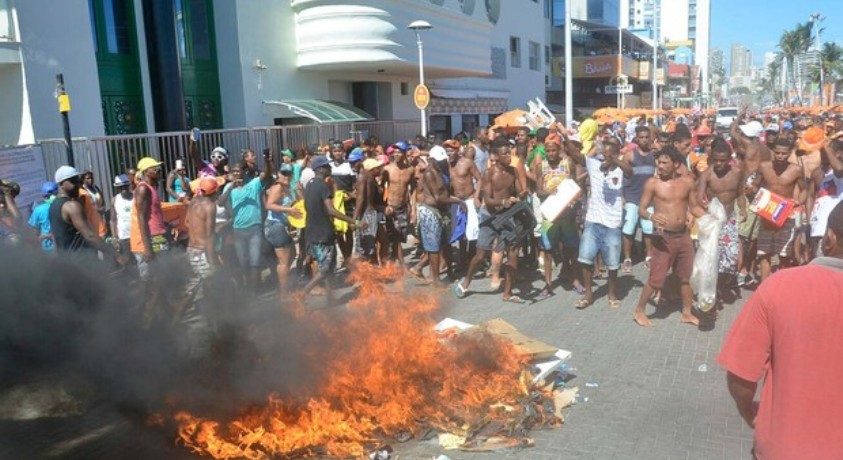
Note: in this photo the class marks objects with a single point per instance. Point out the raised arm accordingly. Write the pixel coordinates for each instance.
(193, 151)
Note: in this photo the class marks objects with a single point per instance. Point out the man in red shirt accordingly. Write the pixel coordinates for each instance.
(788, 333)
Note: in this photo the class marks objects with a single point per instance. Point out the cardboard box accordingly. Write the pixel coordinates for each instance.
(535, 349)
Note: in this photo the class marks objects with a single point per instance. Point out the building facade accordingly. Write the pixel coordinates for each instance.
(161, 65)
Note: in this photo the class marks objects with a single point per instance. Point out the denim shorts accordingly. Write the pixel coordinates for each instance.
(247, 245)
(597, 238)
(631, 219)
(277, 235)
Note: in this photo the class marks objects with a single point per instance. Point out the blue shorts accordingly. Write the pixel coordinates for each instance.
(564, 230)
(430, 229)
(325, 256)
(631, 218)
(247, 244)
(597, 238)
(277, 235)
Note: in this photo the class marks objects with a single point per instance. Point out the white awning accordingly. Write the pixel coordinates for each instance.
(469, 93)
(324, 111)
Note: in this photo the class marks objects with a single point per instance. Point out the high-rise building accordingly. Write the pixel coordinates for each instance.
(741, 61)
(717, 67)
(675, 21)
(606, 12)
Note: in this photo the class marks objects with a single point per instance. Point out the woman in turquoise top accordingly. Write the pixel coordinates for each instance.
(279, 202)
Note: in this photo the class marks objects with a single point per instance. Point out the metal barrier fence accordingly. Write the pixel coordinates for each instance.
(108, 156)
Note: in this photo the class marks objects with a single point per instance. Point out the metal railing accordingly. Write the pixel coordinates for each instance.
(109, 156)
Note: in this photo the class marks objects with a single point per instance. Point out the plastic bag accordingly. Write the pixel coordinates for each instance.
(704, 276)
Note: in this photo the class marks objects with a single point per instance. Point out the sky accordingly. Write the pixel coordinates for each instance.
(758, 24)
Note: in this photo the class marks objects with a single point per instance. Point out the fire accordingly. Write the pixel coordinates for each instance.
(390, 375)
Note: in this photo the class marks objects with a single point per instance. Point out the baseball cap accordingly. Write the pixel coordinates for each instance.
(403, 146)
(752, 129)
(787, 125)
(288, 153)
(208, 185)
(704, 131)
(438, 153)
(221, 151)
(356, 155)
(146, 163)
(451, 144)
(64, 173)
(772, 127)
(371, 164)
(285, 168)
(383, 159)
(121, 181)
(318, 162)
(49, 188)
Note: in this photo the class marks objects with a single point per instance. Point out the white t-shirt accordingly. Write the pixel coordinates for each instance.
(122, 209)
(829, 194)
(605, 204)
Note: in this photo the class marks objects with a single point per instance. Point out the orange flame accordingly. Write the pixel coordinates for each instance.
(389, 374)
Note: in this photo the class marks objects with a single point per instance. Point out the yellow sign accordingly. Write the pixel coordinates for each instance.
(64, 103)
(421, 96)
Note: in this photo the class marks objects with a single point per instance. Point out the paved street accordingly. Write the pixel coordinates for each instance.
(653, 402)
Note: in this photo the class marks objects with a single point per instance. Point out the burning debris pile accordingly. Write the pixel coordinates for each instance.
(389, 378)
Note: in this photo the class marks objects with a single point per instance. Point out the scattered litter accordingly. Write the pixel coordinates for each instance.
(592, 384)
(585, 399)
(450, 441)
(703, 368)
(441, 457)
(563, 399)
(381, 453)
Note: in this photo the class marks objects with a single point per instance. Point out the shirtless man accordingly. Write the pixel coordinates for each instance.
(465, 184)
(399, 180)
(433, 207)
(201, 247)
(745, 139)
(780, 177)
(672, 196)
(366, 208)
(724, 181)
(500, 189)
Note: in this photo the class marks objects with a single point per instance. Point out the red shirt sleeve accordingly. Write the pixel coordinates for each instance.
(746, 351)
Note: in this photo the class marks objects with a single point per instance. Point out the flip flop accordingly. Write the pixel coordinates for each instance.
(544, 294)
(614, 304)
(458, 290)
(579, 290)
(583, 303)
(495, 286)
(514, 299)
(418, 276)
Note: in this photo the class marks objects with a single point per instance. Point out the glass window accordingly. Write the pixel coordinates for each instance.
(93, 24)
(515, 51)
(117, 39)
(534, 55)
(200, 34)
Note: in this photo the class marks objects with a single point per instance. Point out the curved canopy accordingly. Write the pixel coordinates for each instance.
(324, 111)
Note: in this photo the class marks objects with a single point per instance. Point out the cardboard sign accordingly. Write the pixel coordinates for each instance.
(566, 193)
(772, 207)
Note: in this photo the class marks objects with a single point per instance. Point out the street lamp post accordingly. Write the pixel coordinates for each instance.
(569, 70)
(816, 19)
(418, 26)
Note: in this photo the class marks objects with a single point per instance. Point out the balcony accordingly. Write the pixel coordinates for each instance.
(371, 36)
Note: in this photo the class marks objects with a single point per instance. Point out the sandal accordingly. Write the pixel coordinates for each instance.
(614, 304)
(583, 302)
(544, 294)
(458, 290)
(579, 289)
(647, 262)
(418, 276)
(495, 286)
(514, 299)
(627, 266)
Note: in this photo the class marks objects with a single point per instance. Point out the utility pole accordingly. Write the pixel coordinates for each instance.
(64, 109)
(569, 70)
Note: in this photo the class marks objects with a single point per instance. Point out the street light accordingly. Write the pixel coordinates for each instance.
(816, 19)
(418, 26)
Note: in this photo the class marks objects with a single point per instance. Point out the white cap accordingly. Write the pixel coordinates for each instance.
(64, 173)
(752, 129)
(438, 153)
(221, 150)
(772, 127)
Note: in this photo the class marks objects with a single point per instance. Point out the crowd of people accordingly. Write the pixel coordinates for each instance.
(633, 190)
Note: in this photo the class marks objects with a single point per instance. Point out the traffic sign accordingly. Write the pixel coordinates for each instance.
(421, 96)
(617, 89)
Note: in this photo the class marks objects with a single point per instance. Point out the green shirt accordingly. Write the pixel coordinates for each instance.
(532, 155)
